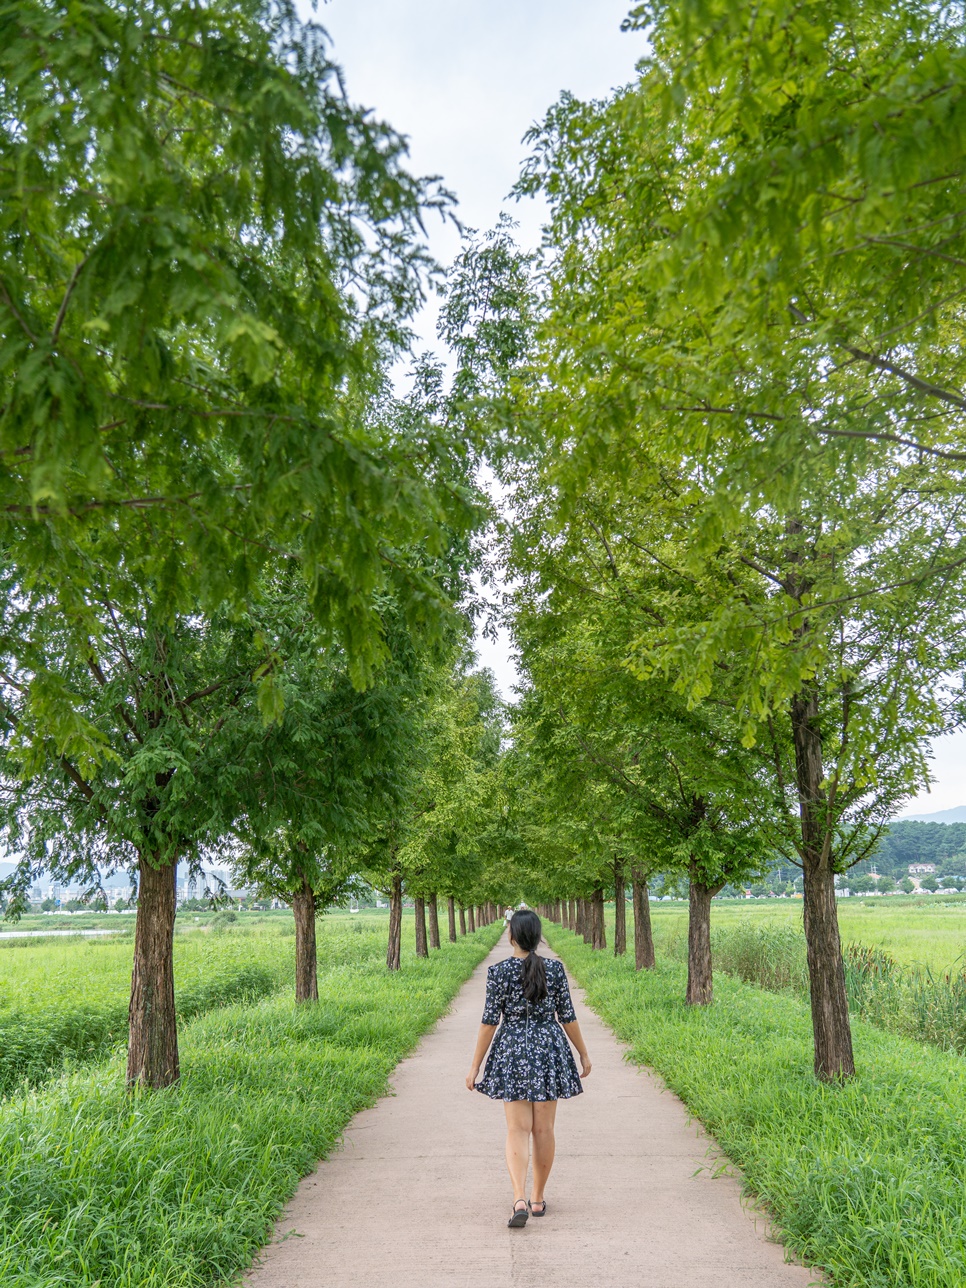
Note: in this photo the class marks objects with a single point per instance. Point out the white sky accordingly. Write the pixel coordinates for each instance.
(464, 81)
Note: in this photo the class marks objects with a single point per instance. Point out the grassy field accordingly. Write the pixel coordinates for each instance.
(64, 1001)
(177, 1189)
(904, 958)
(916, 931)
(867, 1180)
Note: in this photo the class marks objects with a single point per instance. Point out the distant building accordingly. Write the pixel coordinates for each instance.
(921, 869)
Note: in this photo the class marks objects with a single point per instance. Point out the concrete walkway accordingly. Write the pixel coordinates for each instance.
(418, 1196)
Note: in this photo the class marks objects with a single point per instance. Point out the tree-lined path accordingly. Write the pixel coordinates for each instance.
(418, 1194)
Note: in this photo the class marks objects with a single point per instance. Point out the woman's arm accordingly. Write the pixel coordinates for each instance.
(573, 1032)
(484, 1038)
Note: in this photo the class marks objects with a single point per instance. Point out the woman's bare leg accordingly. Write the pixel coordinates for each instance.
(544, 1115)
(519, 1124)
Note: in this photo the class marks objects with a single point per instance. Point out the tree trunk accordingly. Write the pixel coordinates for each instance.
(451, 910)
(699, 942)
(394, 950)
(597, 933)
(306, 974)
(472, 920)
(433, 921)
(620, 914)
(584, 920)
(419, 907)
(152, 1056)
(643, 936)
(462, 920)
(826, 974)
(571, 915)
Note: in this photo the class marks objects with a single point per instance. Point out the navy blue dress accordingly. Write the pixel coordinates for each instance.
(530, 1057)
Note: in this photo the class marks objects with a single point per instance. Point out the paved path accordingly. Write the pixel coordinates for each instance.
(418, 1196)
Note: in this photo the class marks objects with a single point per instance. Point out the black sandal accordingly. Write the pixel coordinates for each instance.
(543, 1204)
(519, 1216)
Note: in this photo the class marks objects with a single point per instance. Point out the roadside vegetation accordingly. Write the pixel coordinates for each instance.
(178, 1190)
(905, 961)
(927, 931)
(864, 1178)
(66, 1001)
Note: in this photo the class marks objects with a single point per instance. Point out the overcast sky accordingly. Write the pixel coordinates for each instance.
(464, 80)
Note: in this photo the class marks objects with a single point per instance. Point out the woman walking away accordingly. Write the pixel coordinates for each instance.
(530, 1066)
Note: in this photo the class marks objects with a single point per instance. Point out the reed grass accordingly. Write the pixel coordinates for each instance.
(914, 1000)
(65, 1002)
(770, 954)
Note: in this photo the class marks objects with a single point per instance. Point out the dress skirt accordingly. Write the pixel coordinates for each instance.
(530, 1057)
(530, 1060)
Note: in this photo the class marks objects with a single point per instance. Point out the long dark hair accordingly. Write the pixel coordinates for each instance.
(526, 932)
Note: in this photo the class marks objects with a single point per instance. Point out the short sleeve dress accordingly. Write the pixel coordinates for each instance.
(530, 1057)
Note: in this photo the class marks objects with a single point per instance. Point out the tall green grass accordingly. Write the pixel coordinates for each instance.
(65, 1002)
(866, 1179)
(178, 1189)
(916, 931)
(914, 1001)
(770, 954)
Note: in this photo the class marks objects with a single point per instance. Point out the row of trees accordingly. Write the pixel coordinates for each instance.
(726, 406)
(737, 527)
(235, 566)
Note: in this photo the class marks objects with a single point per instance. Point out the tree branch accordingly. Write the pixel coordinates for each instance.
(62, 311)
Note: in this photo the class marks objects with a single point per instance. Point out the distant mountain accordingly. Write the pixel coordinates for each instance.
(955, 815)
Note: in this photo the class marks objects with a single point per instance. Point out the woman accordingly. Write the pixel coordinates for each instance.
(530, 1066)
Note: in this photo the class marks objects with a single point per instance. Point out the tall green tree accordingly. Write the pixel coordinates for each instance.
(310, 788)
(162, 695)
(751, 339)
(442, 853)
(207, 259)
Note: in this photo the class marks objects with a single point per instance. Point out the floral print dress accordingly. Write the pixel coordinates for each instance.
(530, 1057)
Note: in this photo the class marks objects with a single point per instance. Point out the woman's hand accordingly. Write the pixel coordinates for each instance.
(585, 1066)
(483, 1040)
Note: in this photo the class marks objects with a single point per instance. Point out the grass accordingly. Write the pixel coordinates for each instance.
(925, 931)
(178, 1189)
(866, 1179)
(768, 949)
(65, 1001)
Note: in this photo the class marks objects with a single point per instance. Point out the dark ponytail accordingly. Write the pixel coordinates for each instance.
(526, 932)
